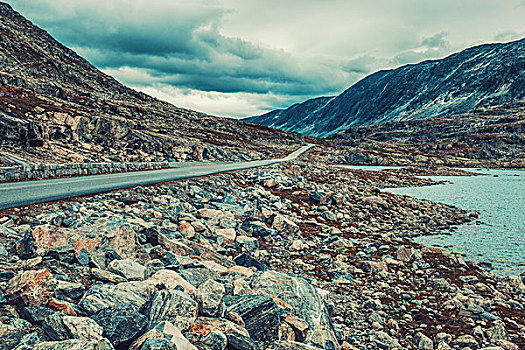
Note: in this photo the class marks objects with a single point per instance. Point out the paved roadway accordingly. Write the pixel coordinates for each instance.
(17, 194)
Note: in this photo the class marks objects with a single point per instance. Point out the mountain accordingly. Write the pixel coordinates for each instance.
(57, 107)
(295, 116)
(480, 76)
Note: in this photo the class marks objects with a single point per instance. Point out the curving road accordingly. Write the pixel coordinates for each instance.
(17, 194)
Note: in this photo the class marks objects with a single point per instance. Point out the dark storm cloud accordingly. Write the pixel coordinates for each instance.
(184, 48)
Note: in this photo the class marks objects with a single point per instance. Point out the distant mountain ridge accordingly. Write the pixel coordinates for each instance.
(480, 76)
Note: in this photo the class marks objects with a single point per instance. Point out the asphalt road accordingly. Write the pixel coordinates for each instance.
(17, 194)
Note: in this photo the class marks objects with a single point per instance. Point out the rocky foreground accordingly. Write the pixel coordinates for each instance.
(293, 256)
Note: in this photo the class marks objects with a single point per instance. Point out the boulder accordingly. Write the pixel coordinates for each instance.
(163, 330)
(209, 296)
(214, 341)
(187, 230)
(28, 341)
(228, 235)
(64, 254)
(106, 276)
(406, 254)
(372, 267)
(69, 291)
(121, 323)
(31, 288)
(247, 260)
(157, 344)
(422, 342)
(102, 296)
(83, 328)
(305, 301)
(35, 314)
(213, 213)
(70, 344)
(173, 306)
(124, 240)
(256, 229)
(204, 325)
(174, 245)
(171, 280)
(12, 332)
(285, 225)
(128, 268)
(465, 341)
(54, 327)
(152, 267)
(496, 333)
(238, 341)
(47, 237)
(247, 243)
(292, 345)
(260, 316)
(299, 327)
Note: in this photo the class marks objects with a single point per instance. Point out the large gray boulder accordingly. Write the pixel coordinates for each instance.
(121, 323)
(306, 303)
(102, 296)
(260, 316)
(171, 305)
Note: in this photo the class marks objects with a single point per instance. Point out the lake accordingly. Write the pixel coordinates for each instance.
(499, 197)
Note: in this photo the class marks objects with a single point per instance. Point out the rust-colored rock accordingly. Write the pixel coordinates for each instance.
(31, 288)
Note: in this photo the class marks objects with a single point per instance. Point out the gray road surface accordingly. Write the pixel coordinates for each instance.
(17, 194)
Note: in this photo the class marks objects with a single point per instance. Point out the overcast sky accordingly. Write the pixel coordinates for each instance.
(245, 57)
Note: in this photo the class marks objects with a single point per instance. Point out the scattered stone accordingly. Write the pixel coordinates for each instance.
(166, 331)
(35, 314)
(103, 296)
(209, 296)
(83, 328)
(69, 291)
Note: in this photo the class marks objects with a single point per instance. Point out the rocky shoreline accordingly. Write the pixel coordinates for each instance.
(293, 256)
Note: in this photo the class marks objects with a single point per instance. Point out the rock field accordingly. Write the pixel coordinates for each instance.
(293, 256)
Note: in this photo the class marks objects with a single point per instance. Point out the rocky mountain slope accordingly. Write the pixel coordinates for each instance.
(484, 137)
(480, 76)
(56, 107)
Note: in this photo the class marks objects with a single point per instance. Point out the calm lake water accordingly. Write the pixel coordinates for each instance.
(500, 238)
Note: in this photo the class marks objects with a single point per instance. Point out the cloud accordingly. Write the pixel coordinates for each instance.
(224, 104)
(180, 44)
(509, 35)
(434, 46)
(360, 65)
